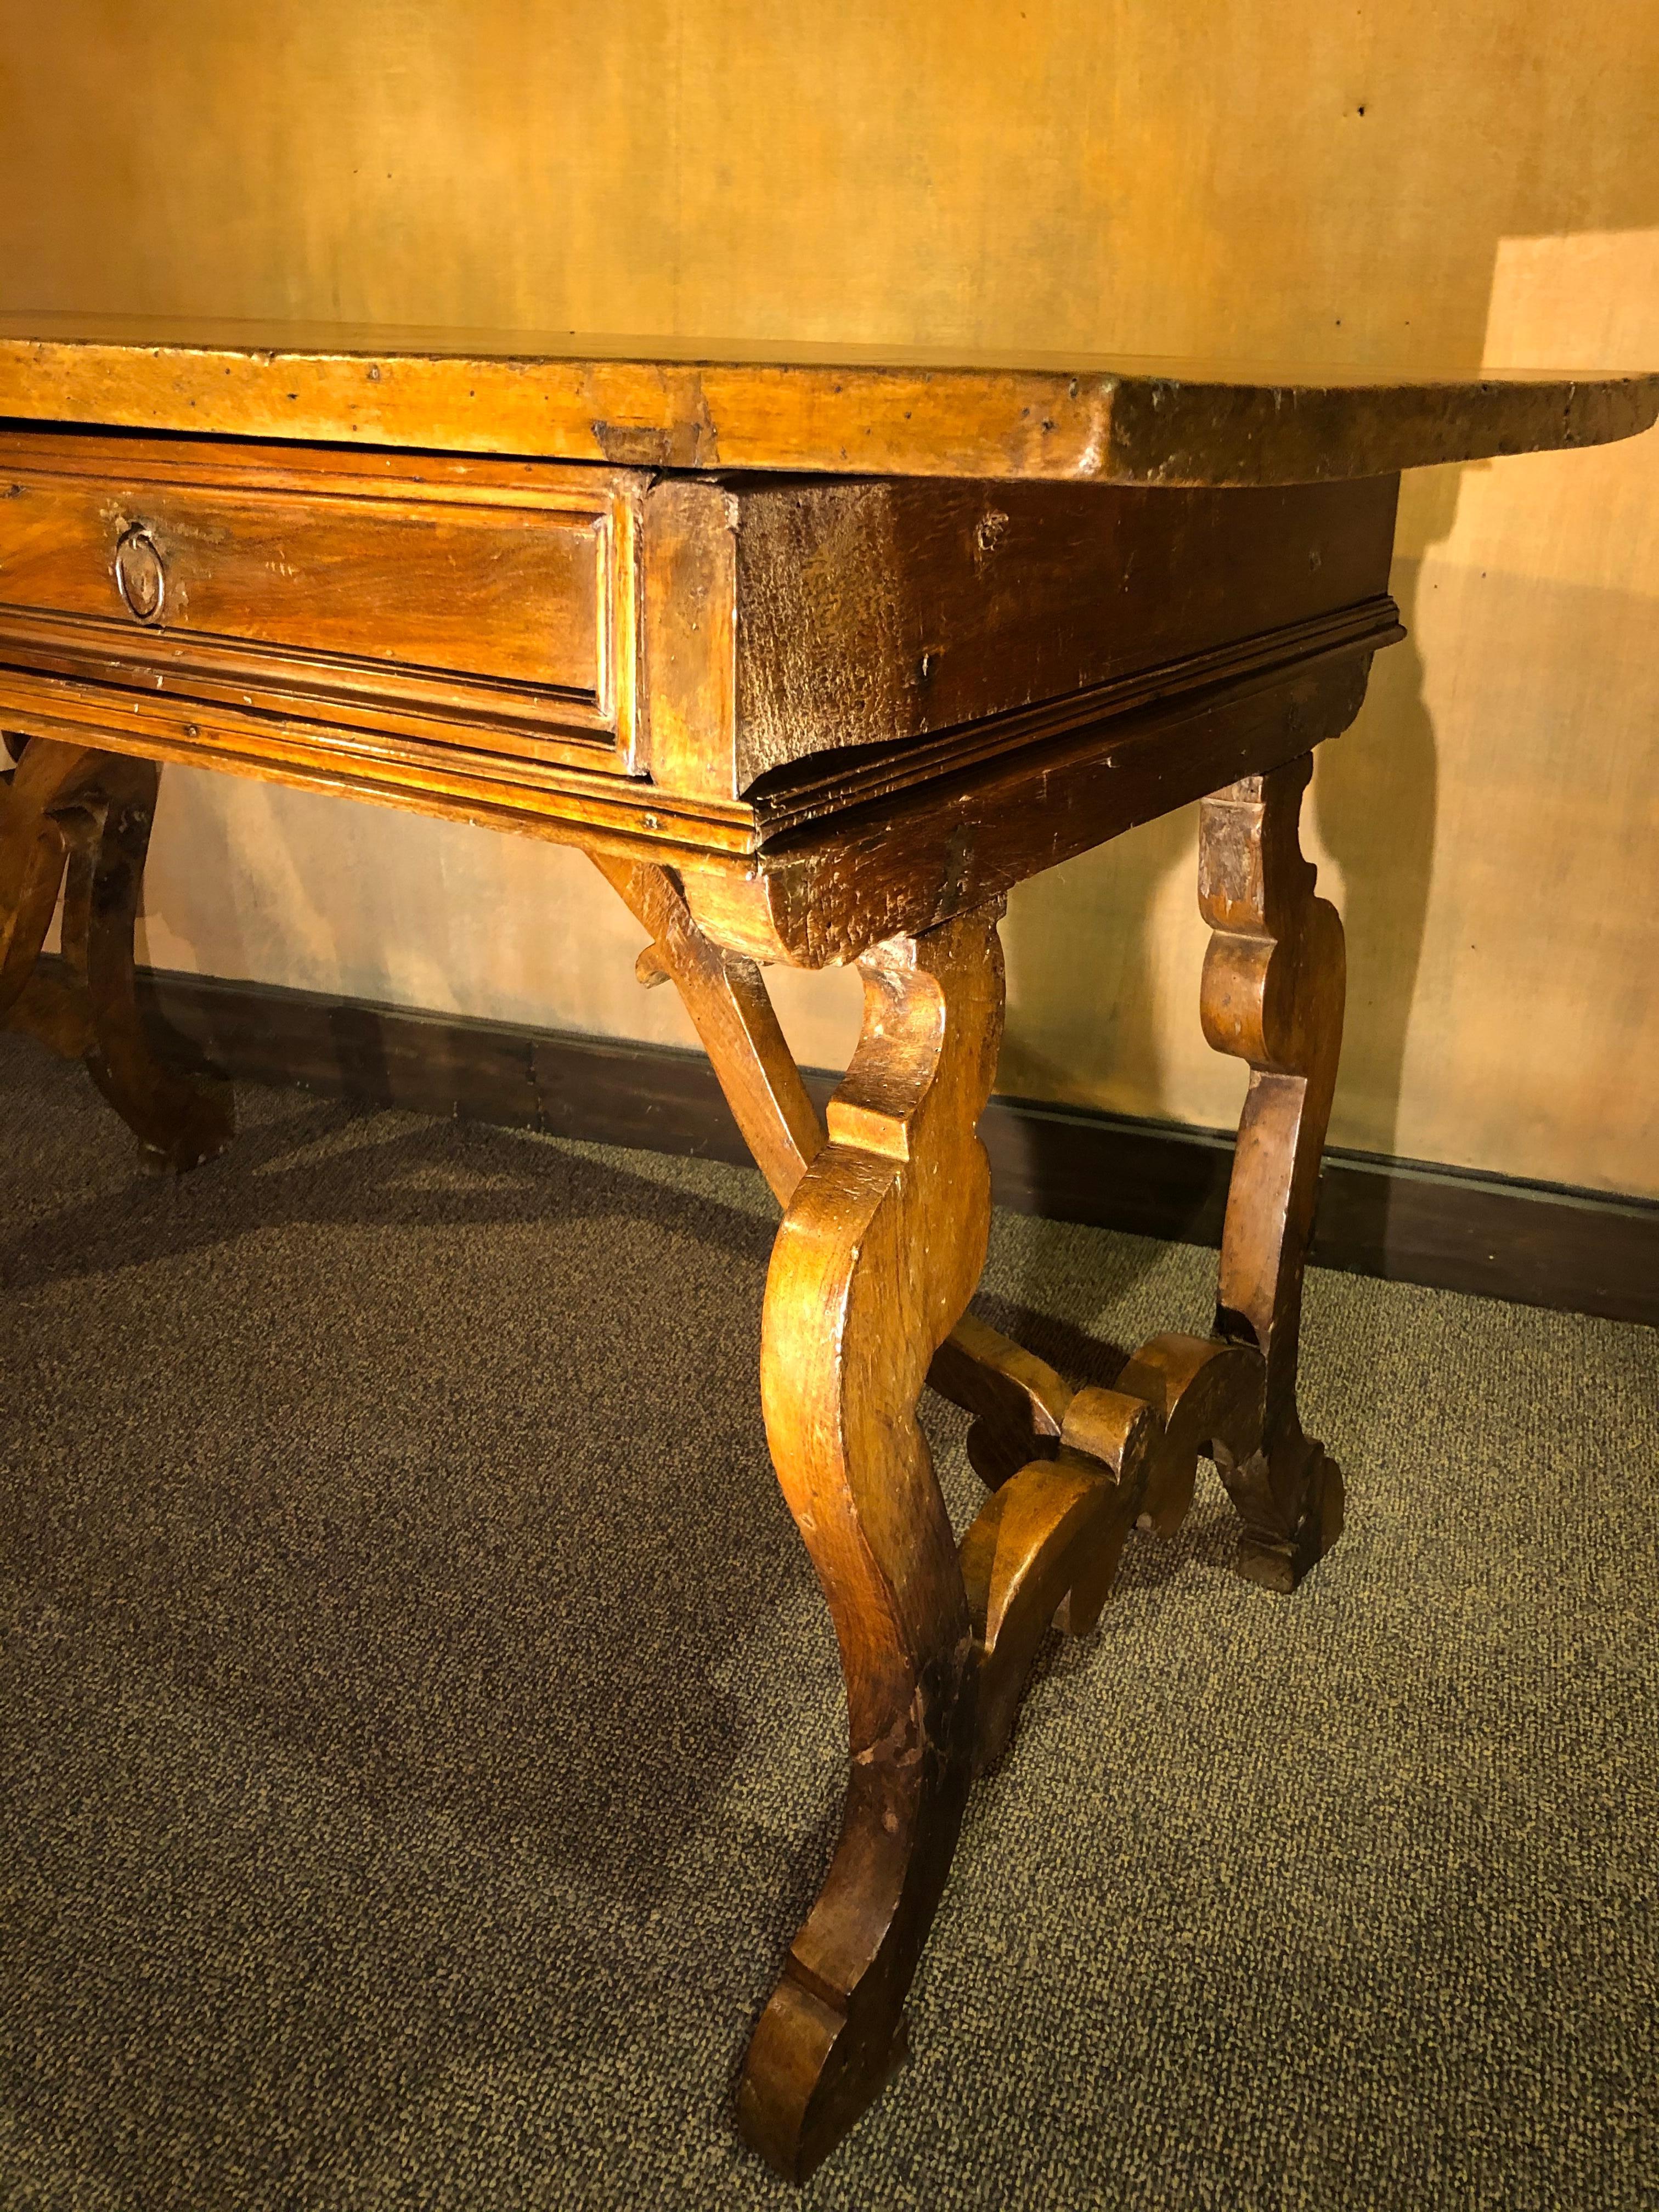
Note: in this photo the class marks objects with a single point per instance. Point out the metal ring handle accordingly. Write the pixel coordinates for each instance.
(141, 575)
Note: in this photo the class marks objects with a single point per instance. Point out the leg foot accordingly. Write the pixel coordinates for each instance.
(1312, 1504)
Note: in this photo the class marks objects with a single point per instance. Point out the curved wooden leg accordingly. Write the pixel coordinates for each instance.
(1046, 1548)
(1207, 1394)
(86, 816)
(37, 808)
(876, 1260)
(1016, 1399)
(179, 1120)
(1273, 994)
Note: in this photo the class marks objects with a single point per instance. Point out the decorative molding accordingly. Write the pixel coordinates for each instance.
(1535, 1244)
(790, 798)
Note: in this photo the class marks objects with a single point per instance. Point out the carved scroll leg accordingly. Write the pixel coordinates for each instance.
(1017, 1401)
(1016, 1398)
(876, 1260)
(1273, 994)
(1208, 1396)
(90, 813)
(1046, 1546)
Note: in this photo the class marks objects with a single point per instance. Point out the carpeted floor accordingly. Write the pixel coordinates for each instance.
(421, 1731)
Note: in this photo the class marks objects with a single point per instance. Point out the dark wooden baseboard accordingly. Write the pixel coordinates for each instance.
(1578, 1251)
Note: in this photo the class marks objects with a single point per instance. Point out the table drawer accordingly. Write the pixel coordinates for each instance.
(477, 603)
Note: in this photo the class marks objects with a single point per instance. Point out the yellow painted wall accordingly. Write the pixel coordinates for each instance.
(1399, 185)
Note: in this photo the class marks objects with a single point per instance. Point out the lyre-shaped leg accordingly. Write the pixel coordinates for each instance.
(81, 820)
(876, 1260)
(1273, 994)
(1016, 1399)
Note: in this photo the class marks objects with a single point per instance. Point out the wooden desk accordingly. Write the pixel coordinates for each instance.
(816, 656)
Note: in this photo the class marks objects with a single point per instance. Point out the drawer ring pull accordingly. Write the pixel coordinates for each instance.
(141, 575)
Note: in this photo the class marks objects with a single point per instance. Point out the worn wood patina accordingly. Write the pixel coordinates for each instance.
(679, 404)
(816, 654)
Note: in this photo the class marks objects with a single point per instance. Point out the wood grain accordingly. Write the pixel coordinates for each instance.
(1208, 1396)
(792, 622)
(468, 603)
(590, 655)
(1047, 1544)
(81, 821)
(909, 863)
(1017, 1401)
(724, 994)
(656, 403)
(874, 1263)
(816, 721)
(1273, 987)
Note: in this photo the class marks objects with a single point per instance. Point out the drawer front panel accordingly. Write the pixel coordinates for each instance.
(496, 601)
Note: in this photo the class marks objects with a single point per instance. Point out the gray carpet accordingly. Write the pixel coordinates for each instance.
(421, 1732)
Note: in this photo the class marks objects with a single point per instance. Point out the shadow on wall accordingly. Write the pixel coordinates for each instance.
(1105, 953)
(1369, 820)
(1372, 810)
(346, 897)
(1485, 827)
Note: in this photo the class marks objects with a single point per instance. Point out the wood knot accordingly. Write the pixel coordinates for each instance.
(989, 534)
